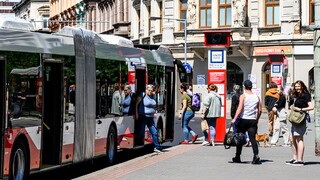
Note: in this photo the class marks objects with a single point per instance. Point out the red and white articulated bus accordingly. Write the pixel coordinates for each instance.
(56, 96)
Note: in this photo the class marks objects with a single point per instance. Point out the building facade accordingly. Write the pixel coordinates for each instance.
(107, 17)
(259, 28)
(36, 11)
(6, 8)
(67, 13)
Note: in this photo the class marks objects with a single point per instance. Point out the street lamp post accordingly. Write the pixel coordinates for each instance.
(184, 21)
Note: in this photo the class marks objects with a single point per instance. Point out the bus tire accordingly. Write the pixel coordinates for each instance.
(19, 162)
(111, 145)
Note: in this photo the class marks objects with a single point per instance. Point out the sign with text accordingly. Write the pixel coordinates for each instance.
(216, 59)
(217, 75)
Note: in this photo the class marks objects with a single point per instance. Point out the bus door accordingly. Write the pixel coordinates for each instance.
(3, 109)
(52, 121)
(140, 87)
(170, 103)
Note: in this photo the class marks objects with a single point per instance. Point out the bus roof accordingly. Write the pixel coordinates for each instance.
(8, 22)
(63, 44)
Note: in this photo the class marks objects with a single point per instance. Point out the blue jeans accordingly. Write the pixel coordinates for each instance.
(186, 117)
(212, 124)
(152, 129)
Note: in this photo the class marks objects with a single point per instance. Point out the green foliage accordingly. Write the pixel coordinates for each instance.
(20, 60)
(110, 70)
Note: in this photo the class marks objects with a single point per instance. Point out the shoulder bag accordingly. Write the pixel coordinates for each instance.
(296, 117)
(233, 139)
(204, 125)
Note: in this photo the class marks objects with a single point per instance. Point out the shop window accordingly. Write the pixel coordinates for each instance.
(234, 77)
(183, 12)
(205, 13)
(272, 13)
(224, 13)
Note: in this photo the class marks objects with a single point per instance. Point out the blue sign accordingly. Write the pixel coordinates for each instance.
(187, 67)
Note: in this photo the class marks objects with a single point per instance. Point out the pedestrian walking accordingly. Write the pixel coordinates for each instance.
(280, 124)
(210, 112)
(302, 103)
(145, 110)
(249, 110)
(234, 106)
(186, 115)
(189, 90)
(271, 98)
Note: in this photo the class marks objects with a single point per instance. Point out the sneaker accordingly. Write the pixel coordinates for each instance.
(157, 150)
(236, 160)
(256, 160)
(290, 162)
(212, 143)
(297, 163)
(273, 145)
(184, 142)
(194, 138)
(205, 143)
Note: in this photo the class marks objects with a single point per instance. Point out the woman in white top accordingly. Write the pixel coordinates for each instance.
(250, 110)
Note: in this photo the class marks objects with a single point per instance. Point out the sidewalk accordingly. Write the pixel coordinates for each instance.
(205, 162)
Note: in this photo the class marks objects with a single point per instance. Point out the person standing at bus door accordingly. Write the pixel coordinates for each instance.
(280, 124)
(271, 98)
(145, 110)
(128, 103)
(17, 100)
(116, 108)
(249, 110)
(186, 115)
(234, 106)
(302, 103)
(210, 112)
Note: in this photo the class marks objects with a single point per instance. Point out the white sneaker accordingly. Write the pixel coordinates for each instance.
(205, 143)
(212, 143)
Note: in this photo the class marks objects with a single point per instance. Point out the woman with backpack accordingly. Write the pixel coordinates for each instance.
(186, 115)
(210, 112)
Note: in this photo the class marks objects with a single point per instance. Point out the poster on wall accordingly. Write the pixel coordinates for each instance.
(253, 79)
(216, 76)
(277, 80)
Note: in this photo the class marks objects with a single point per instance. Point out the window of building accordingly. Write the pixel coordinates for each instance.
(149, 15)
(224, 13)
(311, 15)
(183, 12)
(272, 13)
(138, 20)
(45, 19)
(205, 13)
(160, 15)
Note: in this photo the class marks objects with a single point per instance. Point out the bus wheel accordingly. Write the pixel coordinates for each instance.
(111, 145)
(18, 162)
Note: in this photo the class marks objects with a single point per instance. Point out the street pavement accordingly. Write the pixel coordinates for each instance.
(194, 161)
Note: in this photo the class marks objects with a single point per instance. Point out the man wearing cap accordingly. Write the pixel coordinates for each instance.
(270, 100)
(249, 111)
